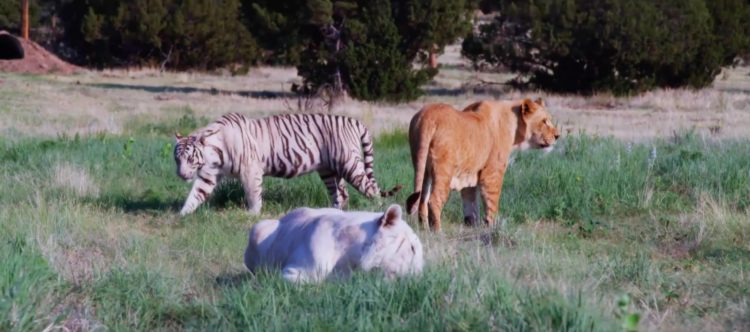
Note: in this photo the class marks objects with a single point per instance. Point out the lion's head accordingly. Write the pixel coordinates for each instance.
(536, 129)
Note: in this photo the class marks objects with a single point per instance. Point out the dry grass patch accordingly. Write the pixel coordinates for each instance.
(108, 101)
(74, 178)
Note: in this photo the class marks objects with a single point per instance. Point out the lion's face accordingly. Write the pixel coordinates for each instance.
(540, 131)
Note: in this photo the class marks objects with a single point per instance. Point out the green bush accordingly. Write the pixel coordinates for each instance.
(377, 45)
(10, 15)
(278, 27)
(180, 34)
(622, 46)
(372, 65)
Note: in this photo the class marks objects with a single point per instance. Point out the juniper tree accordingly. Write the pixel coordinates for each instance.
(180, 34)
(369, 47)
(613, 45)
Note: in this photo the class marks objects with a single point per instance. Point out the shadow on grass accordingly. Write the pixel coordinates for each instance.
(727, 254)
(262, 94)
(232, 280)
(227, 195)
(480, 89)
(139, 204)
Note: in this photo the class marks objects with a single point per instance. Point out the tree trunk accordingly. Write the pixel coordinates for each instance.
(25, 19)
(433, 57)
(338, 82)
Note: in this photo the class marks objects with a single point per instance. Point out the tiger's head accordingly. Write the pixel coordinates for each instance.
(537, 131)
(393, 248)
(188, 156)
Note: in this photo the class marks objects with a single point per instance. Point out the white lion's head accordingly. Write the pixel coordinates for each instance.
(393, 248)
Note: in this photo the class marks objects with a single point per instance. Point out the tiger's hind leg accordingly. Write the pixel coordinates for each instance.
(353, 171)
(342, 193)
(336, 188)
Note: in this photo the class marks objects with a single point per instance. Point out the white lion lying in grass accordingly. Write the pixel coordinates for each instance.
(311, 244)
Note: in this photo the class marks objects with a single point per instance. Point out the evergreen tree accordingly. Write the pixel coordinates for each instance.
(427, 26)
(368, 47)
(375, 66)
(278, 26)
(180, 34)
(10, 14)
(616, 45)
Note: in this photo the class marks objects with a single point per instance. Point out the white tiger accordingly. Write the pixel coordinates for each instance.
(283, 146)
(310, 245)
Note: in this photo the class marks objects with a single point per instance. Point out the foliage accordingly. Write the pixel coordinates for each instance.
(366, 56)
(179, 34)
(368, 47)
(10, 13)
(278, 27)
(615, 45)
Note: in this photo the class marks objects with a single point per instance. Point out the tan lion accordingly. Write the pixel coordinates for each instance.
(469, 150)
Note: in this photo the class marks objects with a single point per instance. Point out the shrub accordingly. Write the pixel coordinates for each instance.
(368, 47)
(622, 46)
(180, 34)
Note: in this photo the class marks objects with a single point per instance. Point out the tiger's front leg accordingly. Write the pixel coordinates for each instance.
(252, 184)
(203, 186)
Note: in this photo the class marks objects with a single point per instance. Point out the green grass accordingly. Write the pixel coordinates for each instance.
(89, 237)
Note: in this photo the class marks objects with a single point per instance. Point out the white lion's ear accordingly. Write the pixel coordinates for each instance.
(391, 216)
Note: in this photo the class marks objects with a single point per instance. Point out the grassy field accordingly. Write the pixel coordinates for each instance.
(601, 234)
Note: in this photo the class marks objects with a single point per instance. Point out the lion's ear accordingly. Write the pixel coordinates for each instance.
(540, 102)
(527, 107)
(391, 216)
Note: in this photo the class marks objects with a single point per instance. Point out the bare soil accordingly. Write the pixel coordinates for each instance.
(37, 60)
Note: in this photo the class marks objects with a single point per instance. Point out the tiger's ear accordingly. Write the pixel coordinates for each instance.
(391, 216)
(177, 136)
(192, 138)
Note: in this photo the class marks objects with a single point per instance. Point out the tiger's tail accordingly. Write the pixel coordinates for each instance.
(367, 150)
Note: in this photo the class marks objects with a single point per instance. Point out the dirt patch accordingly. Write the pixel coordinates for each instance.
(74, 314)
(36, 60)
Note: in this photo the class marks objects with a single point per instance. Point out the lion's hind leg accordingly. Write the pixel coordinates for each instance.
(424, 200)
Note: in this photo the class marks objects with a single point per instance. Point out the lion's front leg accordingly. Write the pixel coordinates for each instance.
(490, 188)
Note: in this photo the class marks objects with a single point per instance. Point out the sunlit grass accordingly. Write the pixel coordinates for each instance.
(664, 222)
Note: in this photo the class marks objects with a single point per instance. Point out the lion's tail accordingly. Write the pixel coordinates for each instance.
(419, 160)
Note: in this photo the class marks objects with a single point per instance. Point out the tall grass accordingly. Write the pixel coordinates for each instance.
(89, 236)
